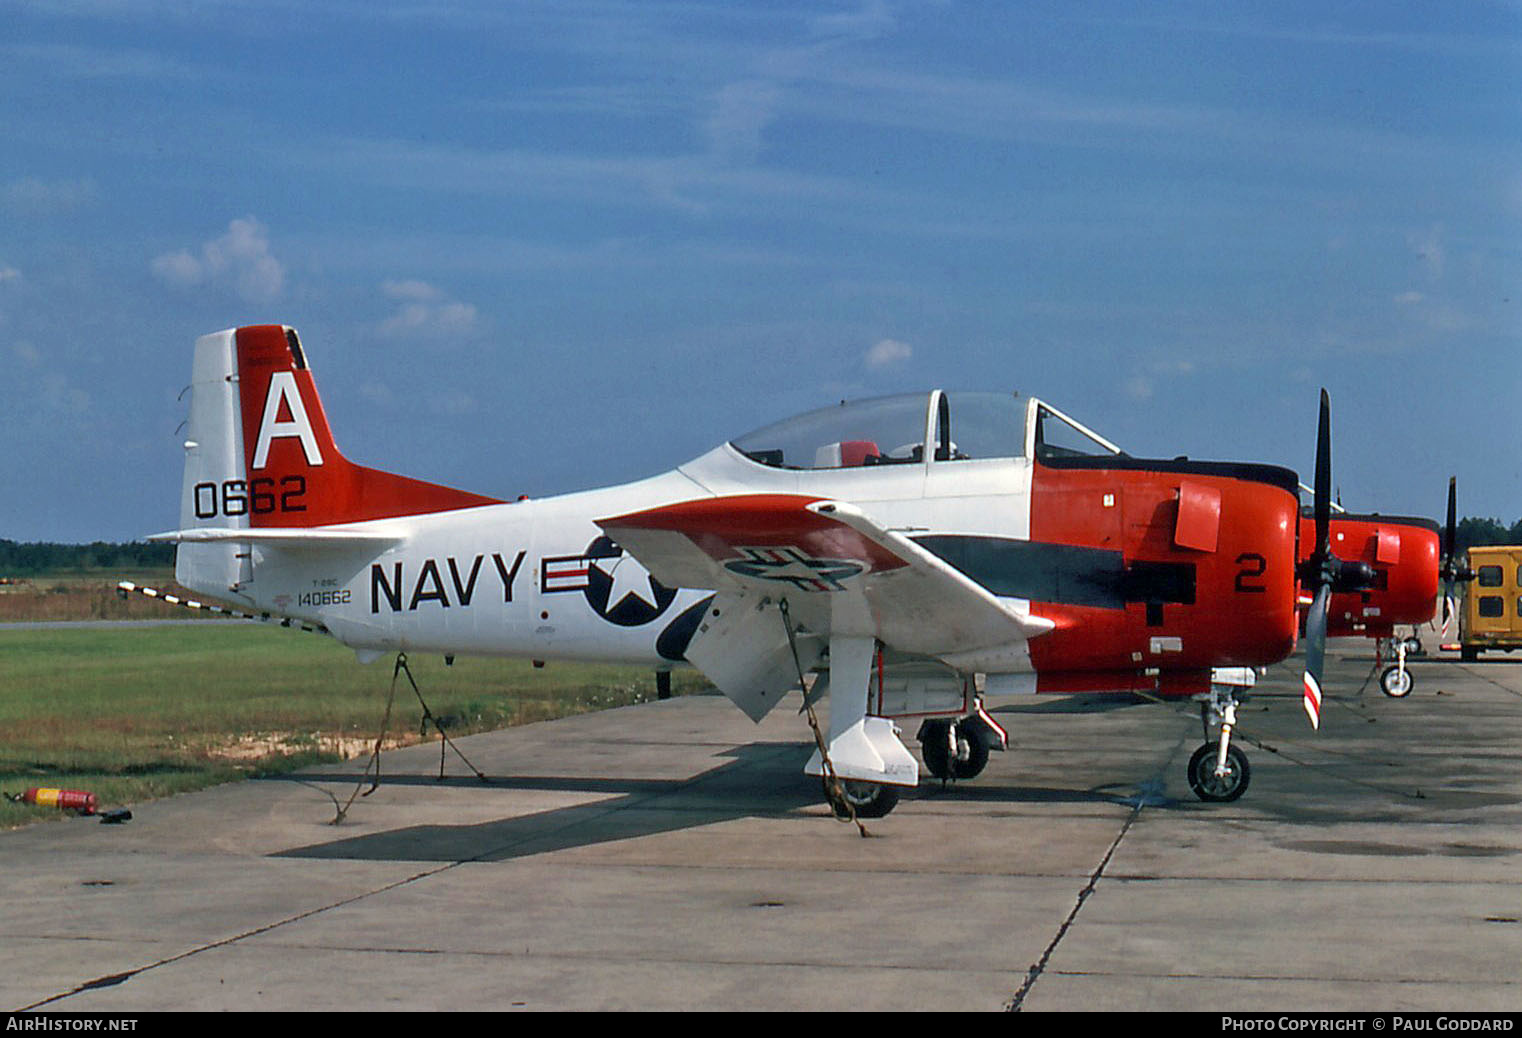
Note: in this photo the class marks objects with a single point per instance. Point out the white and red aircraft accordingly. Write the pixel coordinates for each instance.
(913, 553)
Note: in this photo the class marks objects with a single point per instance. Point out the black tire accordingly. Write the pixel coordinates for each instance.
(1395, 682)
(935, 749)
(868, 799)
(1207, 785)
(972, 749)
(970, 763)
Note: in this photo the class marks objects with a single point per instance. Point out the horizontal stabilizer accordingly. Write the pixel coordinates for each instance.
(281, 537)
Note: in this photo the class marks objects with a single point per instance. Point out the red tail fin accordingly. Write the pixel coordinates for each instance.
(296, 475)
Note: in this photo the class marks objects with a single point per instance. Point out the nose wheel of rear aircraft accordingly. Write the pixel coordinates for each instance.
(866, 799)
(1216, 784)
(1396, 681)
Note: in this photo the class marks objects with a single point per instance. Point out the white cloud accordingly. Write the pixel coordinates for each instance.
(9, 274)
(453, 404)
(62, 396)
(240, 258)
(742, 112)
(426, 312)
(420, 290)
(377, 393)
(26, 353)
(889, 353)
(33, 197)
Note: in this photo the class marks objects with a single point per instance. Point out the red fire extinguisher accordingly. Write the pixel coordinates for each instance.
(63, 799)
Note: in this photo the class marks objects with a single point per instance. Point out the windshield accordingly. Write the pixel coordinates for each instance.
(985, 425)
(1058, 436)
(891, 431)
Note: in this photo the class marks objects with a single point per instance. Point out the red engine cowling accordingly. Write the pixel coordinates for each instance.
(1404, 555)
(1163, 569)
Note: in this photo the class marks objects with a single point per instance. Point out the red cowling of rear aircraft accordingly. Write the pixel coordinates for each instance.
(1404, 555)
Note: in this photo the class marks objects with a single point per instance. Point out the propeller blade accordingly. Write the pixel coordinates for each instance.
(1449, 567)
(1320, 571)
(1315, 653)
(1450, 532)
(1323, 487)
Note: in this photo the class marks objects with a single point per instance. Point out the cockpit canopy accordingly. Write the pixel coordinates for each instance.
(893, 430)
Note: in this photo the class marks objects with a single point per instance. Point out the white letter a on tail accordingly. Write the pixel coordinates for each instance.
(283, 387)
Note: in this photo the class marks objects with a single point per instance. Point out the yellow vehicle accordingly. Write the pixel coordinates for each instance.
(1492, 614)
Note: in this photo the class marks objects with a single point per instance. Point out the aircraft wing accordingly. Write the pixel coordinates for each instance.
(841, 571)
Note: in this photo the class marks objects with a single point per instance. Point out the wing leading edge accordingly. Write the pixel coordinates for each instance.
(842, 571)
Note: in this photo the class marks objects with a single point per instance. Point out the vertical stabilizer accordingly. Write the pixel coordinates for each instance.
(259, 455)
(214, 475)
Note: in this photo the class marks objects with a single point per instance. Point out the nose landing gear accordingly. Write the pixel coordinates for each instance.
(1218, 770)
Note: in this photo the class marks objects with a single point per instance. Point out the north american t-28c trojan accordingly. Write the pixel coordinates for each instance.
(1399, 565)
(909, 555)
(1398, 569)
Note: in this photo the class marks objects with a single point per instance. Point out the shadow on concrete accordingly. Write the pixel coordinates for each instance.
(759, 780)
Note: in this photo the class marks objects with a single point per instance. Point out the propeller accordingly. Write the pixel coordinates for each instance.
(1318, 570)
(1450, 569)
(1323, 572)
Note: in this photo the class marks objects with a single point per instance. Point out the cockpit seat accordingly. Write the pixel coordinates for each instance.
(846, 454)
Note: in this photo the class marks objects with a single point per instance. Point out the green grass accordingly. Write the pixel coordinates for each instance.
(136, 713)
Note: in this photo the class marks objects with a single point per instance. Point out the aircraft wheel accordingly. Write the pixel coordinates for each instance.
(972, 751)
(935, 749)
(1218, 789)
(971, 755)
(868, 799)
(1395, 682)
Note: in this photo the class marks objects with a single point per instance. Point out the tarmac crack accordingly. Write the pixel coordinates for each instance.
(113, 979)
(1035, 972)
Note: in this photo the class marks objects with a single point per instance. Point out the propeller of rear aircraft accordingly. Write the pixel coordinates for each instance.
(1323, 572)
(1450, 569)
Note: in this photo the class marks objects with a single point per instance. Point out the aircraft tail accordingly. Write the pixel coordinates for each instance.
(261, 464)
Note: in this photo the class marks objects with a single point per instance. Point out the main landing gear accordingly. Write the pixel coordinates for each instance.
(1218, 771)
(863, 799)
(958, 748)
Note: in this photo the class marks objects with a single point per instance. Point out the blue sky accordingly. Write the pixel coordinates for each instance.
(539, 247)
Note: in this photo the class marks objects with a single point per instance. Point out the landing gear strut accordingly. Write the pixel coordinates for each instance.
(1395, 680)
(1218, 771)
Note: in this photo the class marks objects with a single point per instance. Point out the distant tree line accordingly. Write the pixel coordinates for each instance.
(20, 560)
(1472, 532)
